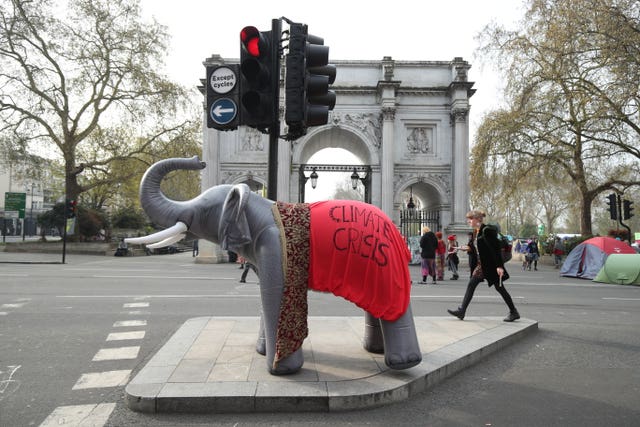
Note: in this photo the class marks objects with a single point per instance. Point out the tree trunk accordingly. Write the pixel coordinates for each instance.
(585, 217)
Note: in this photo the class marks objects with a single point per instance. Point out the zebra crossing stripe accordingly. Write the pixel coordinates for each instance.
(125, 323)
(102, 379)
(133, 335)
(79, 416)
(15, 305)
(136, 305)
(116, 353)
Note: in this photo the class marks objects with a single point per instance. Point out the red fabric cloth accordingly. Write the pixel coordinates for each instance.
(357, 253)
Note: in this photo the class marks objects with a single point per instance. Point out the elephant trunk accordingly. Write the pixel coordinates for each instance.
(162, 210)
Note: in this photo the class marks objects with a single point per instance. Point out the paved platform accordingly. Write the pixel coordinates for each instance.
(210, 365)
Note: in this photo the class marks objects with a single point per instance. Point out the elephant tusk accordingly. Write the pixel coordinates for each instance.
(167, 242)
(178, 228)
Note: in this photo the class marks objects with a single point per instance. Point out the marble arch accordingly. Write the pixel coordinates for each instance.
(408, 120)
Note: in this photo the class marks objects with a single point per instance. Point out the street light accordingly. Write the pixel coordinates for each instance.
(354, 179)
(314, 178)
(411, 205)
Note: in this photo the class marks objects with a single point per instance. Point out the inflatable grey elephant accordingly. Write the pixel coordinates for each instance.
(349, 248)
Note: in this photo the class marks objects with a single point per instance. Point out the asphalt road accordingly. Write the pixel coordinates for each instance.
(60, 325)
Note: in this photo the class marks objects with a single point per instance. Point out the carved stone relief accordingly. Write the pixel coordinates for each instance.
(459, 115)
(419, 140)
(369, 124)
(251, 140)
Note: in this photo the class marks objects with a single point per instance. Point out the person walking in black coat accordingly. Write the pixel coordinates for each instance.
(428, 244)
(490, 266)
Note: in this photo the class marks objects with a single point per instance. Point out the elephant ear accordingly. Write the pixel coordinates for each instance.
(233, 230)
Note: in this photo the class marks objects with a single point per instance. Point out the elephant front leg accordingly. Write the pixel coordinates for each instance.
(271, 290)
(271, 299)
(401, 347)
(261, 344)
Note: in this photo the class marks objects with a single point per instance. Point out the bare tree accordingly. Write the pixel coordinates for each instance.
(85, 80)
(571, 105)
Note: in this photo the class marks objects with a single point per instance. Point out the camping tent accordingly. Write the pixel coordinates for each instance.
(586, 259)
(620, 268)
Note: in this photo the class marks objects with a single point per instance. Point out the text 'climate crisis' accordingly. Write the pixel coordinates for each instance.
(366, 232)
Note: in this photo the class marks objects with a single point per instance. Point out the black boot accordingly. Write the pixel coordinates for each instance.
(459, 313)
(424, 279)
(513, 315)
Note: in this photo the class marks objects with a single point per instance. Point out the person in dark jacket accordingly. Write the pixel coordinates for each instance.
(428, 244)
(490, 266)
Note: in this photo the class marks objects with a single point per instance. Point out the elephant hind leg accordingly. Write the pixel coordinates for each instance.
(373, 341)
(402, 350)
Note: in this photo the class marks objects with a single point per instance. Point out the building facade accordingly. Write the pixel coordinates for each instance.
(407, 122)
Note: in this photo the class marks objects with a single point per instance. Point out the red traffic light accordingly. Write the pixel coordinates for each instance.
(250, 38)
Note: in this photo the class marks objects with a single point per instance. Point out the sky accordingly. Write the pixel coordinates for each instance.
(426, 30)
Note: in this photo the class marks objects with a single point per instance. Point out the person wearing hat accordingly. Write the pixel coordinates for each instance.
(452, 256)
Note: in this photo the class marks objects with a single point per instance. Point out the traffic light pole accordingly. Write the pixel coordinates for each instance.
(274, 129)
(620, 218)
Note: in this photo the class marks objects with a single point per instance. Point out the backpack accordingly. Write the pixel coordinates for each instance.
(505, 244)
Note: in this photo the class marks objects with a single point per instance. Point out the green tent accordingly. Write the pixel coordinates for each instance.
(623, 269)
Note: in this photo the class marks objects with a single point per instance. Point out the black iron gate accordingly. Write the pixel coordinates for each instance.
(411, 223)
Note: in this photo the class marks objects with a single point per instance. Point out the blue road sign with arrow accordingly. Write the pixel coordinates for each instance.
(223, 111)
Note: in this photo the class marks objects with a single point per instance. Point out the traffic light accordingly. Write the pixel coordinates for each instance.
(259, 77)
(71, 208)
(222, 97)
(613, 206)
(308, 76)
(627, 209)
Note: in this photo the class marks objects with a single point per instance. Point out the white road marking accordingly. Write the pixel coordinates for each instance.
(133, 335)
(16, 305)
(621, 299)
(79, 416)
(6, 377)
(119, 353)
(135, 305)
(125, 323)
(102, 379)
(3, 313)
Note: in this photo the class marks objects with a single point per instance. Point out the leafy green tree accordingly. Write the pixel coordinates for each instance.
(89, 85)
(53, 218)
(128, 217)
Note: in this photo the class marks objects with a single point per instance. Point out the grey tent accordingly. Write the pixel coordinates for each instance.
(585, 260)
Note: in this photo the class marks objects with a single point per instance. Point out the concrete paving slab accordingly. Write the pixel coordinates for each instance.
(210, 366)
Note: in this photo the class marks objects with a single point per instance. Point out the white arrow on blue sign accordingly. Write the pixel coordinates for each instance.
(223, 111)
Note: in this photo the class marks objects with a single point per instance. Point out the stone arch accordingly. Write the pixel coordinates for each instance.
(430, 187)
(255, 182)
(349, 139)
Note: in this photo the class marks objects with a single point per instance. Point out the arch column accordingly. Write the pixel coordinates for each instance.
(460, 168)
(387, 91)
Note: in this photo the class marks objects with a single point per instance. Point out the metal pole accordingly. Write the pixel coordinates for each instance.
(274, 129)
(620, 219)
(64, 240)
